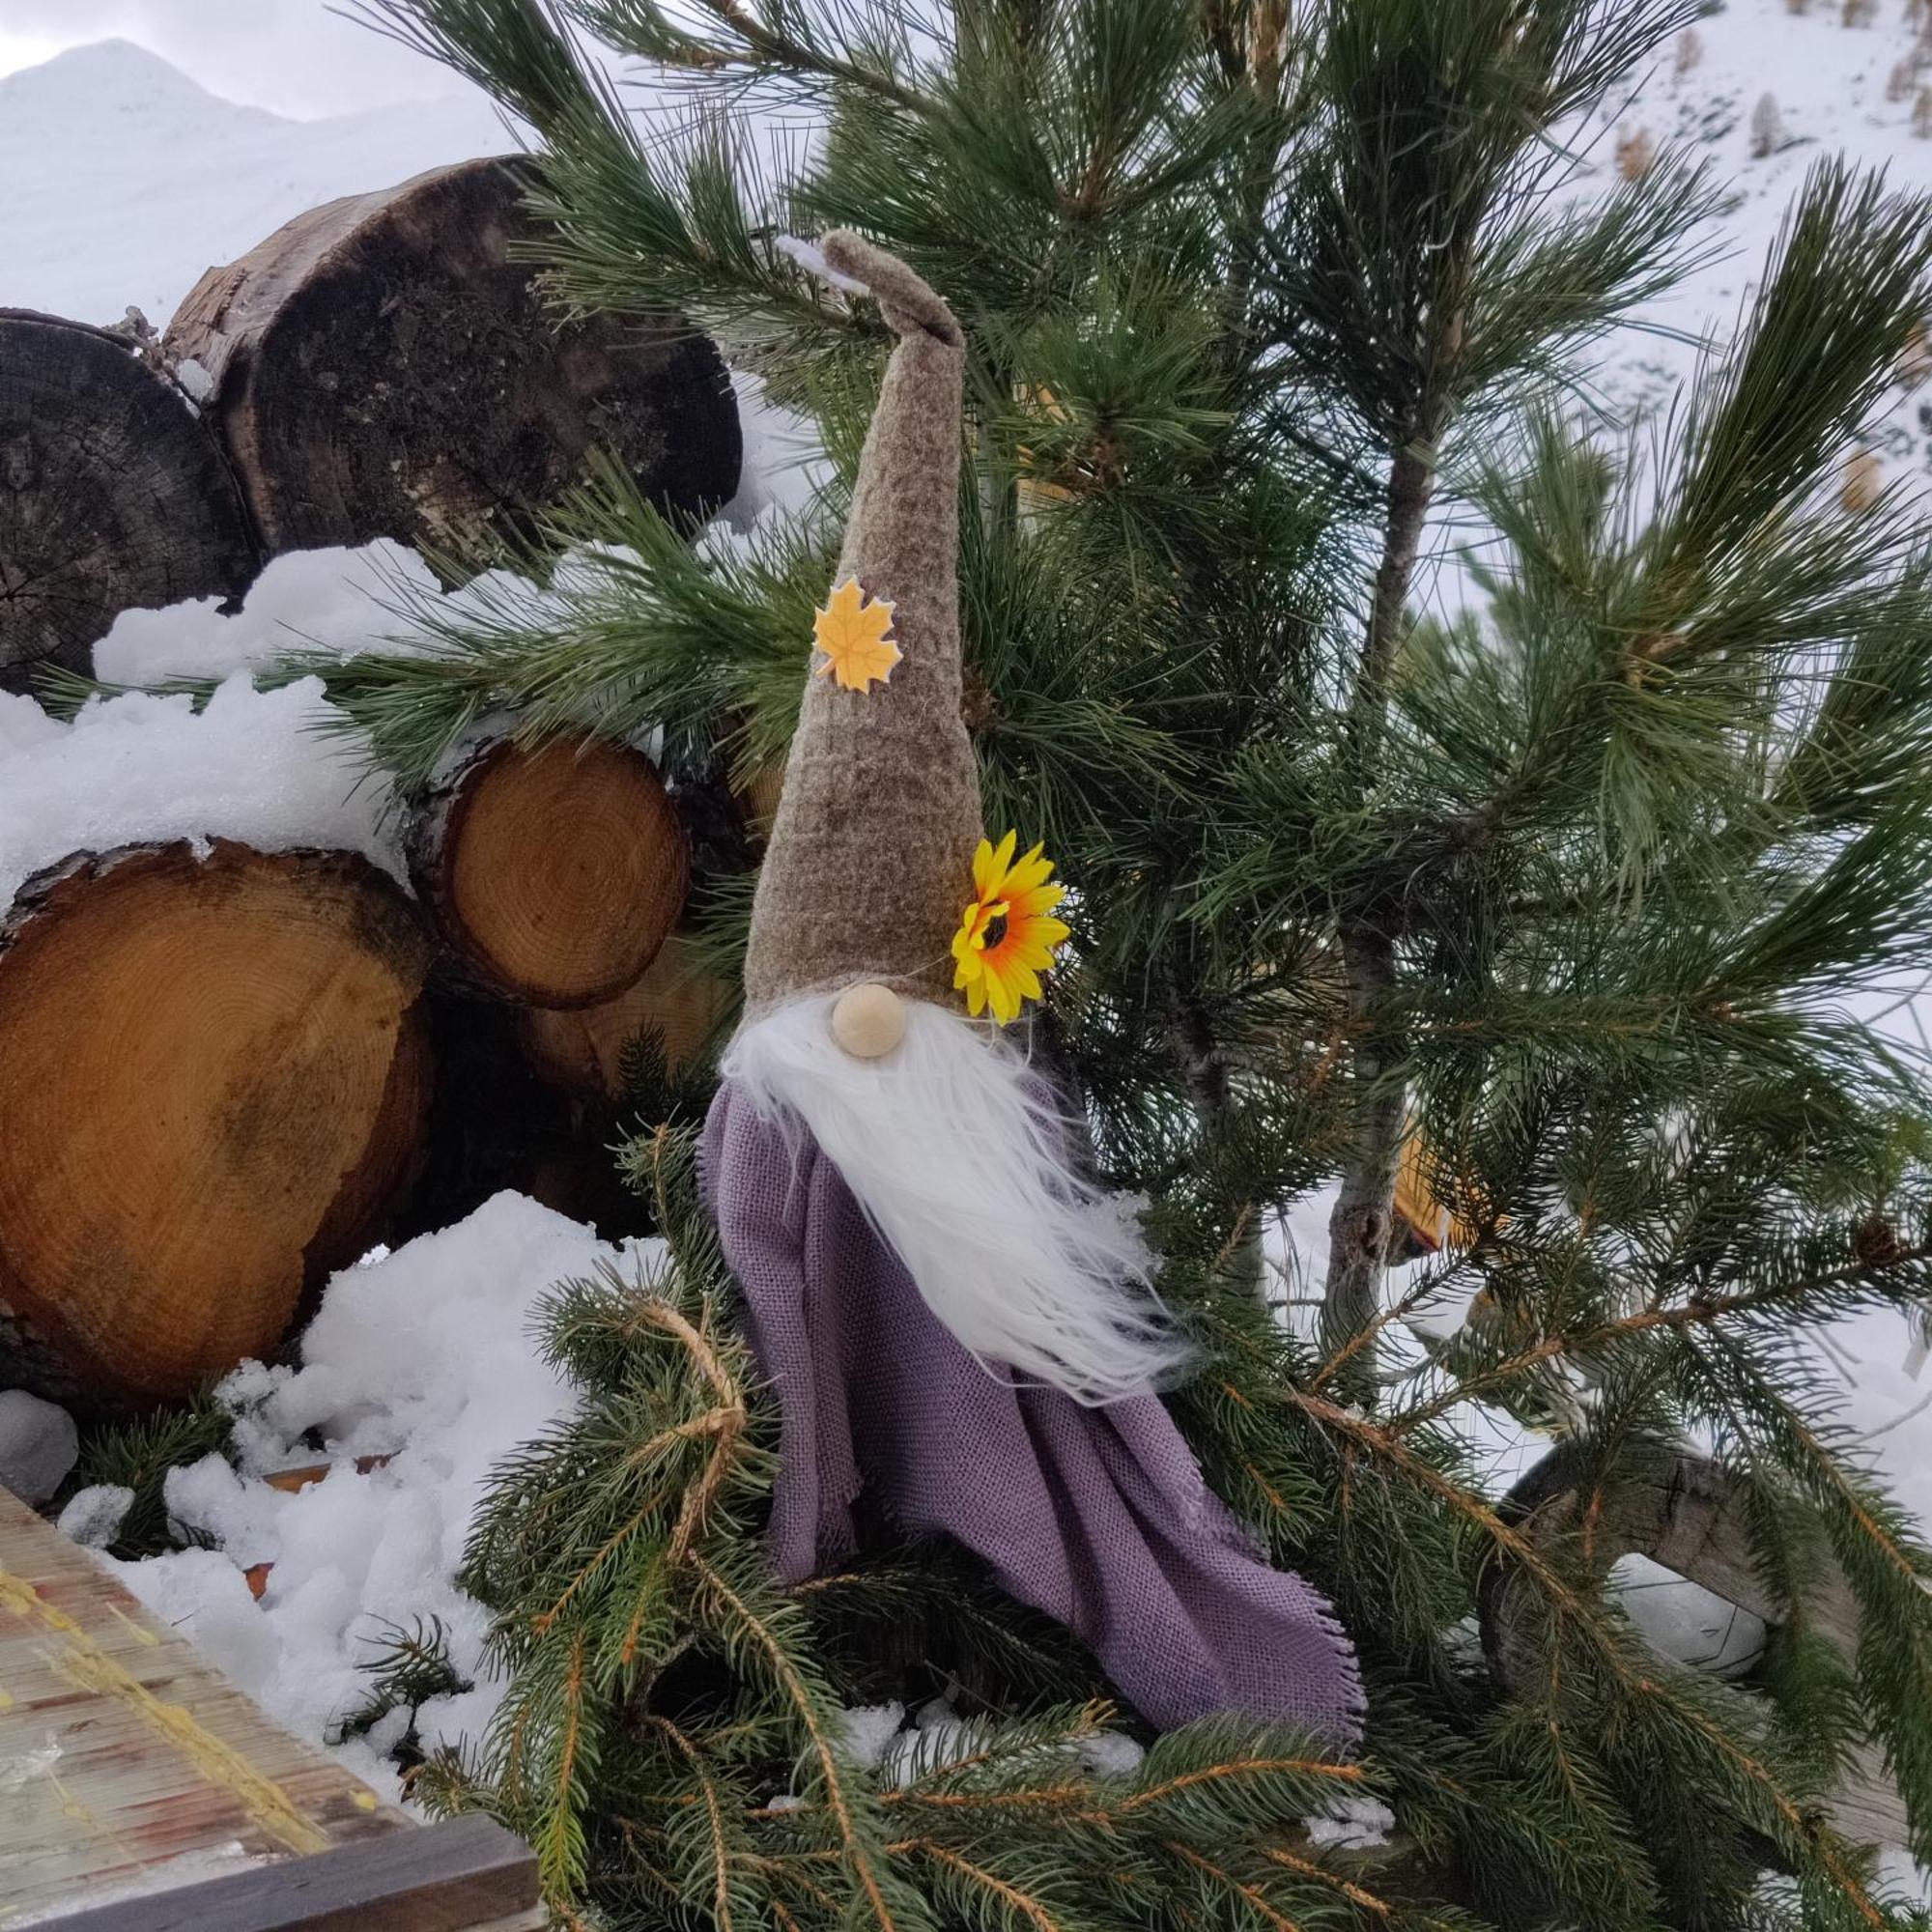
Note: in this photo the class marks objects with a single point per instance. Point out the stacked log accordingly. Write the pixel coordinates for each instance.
(385, 366)
(555, 878)
(213, 1083)
(553, 873)
(113, 495)
(679, 1003)
(225, 1072)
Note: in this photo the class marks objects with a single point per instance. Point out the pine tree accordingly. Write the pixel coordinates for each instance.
(1557, 900)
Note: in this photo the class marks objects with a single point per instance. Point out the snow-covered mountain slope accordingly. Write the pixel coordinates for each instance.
(121, 180)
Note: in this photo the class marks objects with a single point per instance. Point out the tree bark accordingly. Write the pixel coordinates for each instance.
(214, 1079)
(1364, 1212)
(553, 874)
(384, 367)
(1410, 486)
(113, 495)
(1363, 1218)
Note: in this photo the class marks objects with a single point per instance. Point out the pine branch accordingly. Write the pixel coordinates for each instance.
(758, 46)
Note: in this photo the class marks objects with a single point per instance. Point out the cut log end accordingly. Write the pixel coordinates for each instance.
(113, 495)
(385, 366)
(555, 874)
(678, 1003)
(213, 1087)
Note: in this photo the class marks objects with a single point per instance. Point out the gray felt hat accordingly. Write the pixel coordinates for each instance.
(869, 863)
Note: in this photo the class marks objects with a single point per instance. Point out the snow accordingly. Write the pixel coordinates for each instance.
(195, 1867)
(333, 600)
(880, 1738)
(124, 180)
(783, 466)
(421, 1364)
(867, 1729)
(1352, 1824)
(252, 765)
(1685, 1621)
(38, 1444)
(17, 1773)
(1111, 1755)
(94, 1516)
(1829, 82)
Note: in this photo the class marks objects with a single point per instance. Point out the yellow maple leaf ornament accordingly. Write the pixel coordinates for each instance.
(852, 635)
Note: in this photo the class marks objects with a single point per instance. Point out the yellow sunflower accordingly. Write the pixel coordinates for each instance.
(1007, 936)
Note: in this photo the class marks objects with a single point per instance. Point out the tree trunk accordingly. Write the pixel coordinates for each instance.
(1363, 1218)
(383, 367)
(1364, 1212)
(214, 1078)
(113, 495)
(552, 874)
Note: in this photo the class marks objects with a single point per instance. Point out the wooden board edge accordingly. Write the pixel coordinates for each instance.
(464, 1875)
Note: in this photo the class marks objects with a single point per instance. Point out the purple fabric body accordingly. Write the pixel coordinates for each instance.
(1099, 1516)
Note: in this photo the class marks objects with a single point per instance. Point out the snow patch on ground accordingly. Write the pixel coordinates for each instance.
(94, 1516)
(1352, 1824)
(423, 1359)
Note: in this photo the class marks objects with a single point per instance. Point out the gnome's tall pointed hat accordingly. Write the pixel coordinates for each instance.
(855, 1028)
(870, 854)
(953, 1319)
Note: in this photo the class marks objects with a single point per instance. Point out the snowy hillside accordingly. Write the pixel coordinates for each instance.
(1831, 89)
(121, 180)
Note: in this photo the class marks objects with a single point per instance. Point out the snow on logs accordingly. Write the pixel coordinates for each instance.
(553, 873)
(385, 366)
(113, 495)
(213, 1080)
(229, 1068)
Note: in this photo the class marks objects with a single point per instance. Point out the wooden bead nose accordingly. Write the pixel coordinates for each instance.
(869, 1020)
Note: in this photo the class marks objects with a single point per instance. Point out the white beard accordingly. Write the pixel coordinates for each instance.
(956, 1151)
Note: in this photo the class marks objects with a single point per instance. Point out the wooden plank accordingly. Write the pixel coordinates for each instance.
(123, 1751)
(455, 1877)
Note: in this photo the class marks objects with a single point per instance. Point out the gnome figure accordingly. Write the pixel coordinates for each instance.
(955, 1321)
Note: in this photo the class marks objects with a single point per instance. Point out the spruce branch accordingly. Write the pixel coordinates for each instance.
(758, 1633)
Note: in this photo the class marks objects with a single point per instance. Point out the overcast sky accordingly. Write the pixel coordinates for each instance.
(298, 57)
